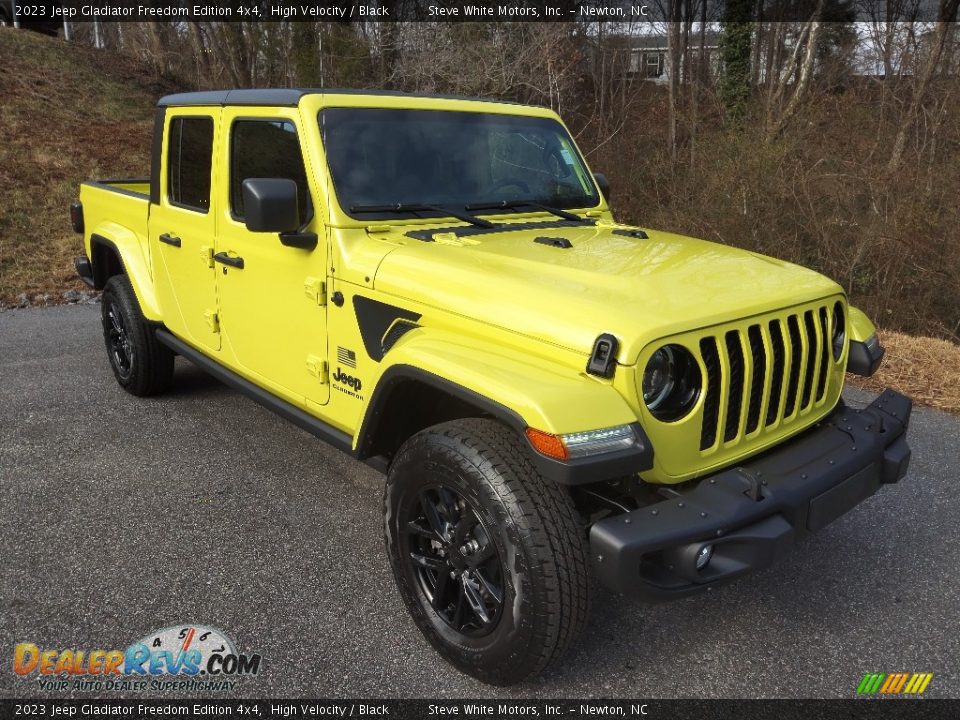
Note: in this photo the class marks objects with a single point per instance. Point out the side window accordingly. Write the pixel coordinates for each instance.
(189, 154)
(266, 149)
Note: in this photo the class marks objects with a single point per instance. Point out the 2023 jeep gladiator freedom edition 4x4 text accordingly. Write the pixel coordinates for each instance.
(437, 286)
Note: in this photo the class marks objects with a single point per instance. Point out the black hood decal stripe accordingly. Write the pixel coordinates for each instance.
(374, 318)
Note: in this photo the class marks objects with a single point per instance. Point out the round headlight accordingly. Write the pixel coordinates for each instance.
(839, 331)
(671, 383)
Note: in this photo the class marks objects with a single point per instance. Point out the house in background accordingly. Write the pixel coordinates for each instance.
(650, 56)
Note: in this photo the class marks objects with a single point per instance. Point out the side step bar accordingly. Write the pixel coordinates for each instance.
(338, 439)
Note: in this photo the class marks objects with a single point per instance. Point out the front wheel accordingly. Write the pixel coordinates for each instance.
(488, 556)
(141, 365)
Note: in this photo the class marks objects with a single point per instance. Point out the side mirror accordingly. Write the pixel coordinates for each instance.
(270, 205)
(603, 184)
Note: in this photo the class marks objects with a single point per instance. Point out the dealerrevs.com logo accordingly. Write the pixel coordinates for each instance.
(178, 658)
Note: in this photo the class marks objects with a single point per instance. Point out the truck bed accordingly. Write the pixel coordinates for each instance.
(138, 187)
(115, 212)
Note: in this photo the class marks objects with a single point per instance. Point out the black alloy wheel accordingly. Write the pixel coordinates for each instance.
(488, 555)
(118, 341)
(453, 557)
(140, 363)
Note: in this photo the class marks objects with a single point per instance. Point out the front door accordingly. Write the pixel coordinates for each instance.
(182, 227)
(272, 311)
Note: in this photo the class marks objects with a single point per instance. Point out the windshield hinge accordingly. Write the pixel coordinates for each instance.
(318, 368)
(316, 290)
(213, 320)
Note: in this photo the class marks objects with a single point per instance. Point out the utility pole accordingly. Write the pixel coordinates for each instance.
(16, 18)
(67, 34)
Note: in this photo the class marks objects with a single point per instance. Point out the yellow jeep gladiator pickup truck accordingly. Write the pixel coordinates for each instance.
(437, 287)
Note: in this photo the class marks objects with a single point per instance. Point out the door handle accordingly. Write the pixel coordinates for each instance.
(236, 262)
(169, 239)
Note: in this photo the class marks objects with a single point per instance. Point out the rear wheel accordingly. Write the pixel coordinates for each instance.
(141, 365)
(488, 556)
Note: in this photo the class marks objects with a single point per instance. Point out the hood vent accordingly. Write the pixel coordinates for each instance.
(638, 234)
(556, 242)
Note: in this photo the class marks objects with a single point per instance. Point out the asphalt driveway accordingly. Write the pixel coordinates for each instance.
(119, 516)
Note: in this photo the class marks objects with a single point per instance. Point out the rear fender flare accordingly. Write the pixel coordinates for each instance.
(126, 245)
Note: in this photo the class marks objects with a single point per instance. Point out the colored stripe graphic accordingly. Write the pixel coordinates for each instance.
(891, 680)
(894, 683)
(900, 682)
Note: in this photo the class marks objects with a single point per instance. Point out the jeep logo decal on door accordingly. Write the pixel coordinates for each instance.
(348, 380)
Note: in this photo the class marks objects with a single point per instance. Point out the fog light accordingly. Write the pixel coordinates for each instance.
(703, 556)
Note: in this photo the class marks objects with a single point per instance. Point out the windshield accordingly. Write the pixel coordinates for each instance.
(450, 160)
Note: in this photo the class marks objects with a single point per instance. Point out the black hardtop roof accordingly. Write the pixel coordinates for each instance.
(287, 96)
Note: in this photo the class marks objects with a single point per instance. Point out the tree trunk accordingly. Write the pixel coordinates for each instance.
(804, 73)
(947, 15)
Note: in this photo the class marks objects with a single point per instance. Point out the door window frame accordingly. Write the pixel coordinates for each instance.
(173, 117)
(228, 154)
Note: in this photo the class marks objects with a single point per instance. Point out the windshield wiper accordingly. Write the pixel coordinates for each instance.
(513, 204)
(419, 207)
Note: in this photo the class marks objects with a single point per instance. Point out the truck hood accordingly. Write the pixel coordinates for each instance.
(640, 290)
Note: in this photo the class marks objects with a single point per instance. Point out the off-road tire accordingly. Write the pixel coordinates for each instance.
(534, 527)
(148, 369)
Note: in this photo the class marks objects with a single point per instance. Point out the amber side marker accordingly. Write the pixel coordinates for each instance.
(547, 444)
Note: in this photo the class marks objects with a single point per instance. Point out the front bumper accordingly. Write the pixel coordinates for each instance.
(753, 513)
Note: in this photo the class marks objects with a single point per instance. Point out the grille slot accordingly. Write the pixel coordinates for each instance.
(770, 372)
(824, 354)
(759, 357)
(793, 333)
(776, 379)
(812, 358)
(735, 394)
(711, 403)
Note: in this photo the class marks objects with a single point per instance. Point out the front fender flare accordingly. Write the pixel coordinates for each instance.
(516, 390)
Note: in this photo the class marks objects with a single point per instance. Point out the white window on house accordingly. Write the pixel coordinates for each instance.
(654, 64)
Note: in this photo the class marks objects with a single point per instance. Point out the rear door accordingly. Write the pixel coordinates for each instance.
(272, 308)
(182, 227)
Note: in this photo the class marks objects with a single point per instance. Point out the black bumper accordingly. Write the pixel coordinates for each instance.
(865, 357)
(753, 513)
(84, 269)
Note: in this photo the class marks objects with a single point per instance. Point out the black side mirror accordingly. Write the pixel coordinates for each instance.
(603, 184)
(271, 205)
